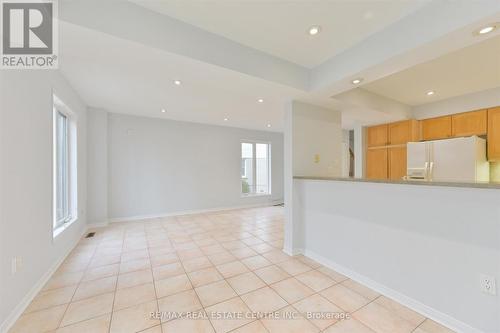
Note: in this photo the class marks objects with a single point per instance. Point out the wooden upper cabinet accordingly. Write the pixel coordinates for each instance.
(494, 134)
(403, 132)
(397, 163)
(377, 135)
(376, 163)
(436, 128)
(469, 123)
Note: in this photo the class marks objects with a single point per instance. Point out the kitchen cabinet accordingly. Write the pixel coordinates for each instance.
(469, 123)
(397, 162)
(494, 134)
(376, 163)
(377, 135)
(436, 128)
(402, 132)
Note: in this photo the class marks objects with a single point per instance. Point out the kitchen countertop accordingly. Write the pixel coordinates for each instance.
(487, 185)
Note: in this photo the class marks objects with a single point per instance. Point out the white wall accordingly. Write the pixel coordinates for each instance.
(26, 182)
(309, 130)
(469, 102)
(425, 246)
(97, 166)
(158, 167)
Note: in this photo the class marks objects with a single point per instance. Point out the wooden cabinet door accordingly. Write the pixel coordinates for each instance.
(436, 128)
(397, 163)
(494, 134)
(377, 136)
(469, 123)
(403, 132)
(376, 163)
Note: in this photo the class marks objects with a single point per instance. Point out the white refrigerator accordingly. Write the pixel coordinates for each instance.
(449, 160)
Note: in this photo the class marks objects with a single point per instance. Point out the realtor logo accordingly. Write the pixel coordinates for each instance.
(29, 34)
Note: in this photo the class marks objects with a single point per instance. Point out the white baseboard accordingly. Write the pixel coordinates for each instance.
(21, 306)
(187, 212)
(409, 302)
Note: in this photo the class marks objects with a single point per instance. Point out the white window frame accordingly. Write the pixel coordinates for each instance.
(71, 190)
(254, 167)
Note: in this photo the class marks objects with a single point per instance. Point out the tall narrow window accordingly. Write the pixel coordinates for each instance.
(65, 171)
(61, 169)
(255, 174)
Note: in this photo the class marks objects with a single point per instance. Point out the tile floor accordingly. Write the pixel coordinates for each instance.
(206, 273)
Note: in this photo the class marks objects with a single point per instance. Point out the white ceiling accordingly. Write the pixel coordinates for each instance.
(128, 77)
(468, 70)
(279, 27)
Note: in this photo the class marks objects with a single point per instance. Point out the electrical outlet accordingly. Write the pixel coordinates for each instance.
(488, 284)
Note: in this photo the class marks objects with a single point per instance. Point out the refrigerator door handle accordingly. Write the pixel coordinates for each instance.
(426, 166)
(431, 170)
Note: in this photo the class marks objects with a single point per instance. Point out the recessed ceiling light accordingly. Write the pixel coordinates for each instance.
(163, 110)
(177, 82)
(314, 30)
(268, 125)
(486, 29)
(226, 119)
(357, 81)
(430, 93)
(260, 100)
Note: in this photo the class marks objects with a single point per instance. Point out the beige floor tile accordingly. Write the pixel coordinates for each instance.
(231, 269)
(319, 311)
(292, 290)
(166, 271)
(101, 272)
(189, 254)
(245, 283)
(262, 248)
(179, 305)
(61, 280)
(243, 253)
(402, 311)
(289, 321)
(39, 321)
(430, 326)
(134, 319)
(382, 320)
(253, 327)
(94, 325)
(264, 300)
(134, 295)
(256, 262)
(103, 260)
(271, 274)
(315, 280)
(134, 278)
(212, 249)
(95, 287)
(235, 314)
(88, 308)
(204, 276)
(361, 289)
(215, 292)
(221, 258)
(337, 277)
(308, 261)
(196, 264)
(293, 267)
(188, 325)
(154, 329)
(344, 297)
(276, 256)
(348, 326)
(50, 298)
(172, 285)
(134, 255)
(163, 259)
(134, 265)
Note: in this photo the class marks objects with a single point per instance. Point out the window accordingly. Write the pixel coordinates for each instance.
(64, 166)
(255, 174)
